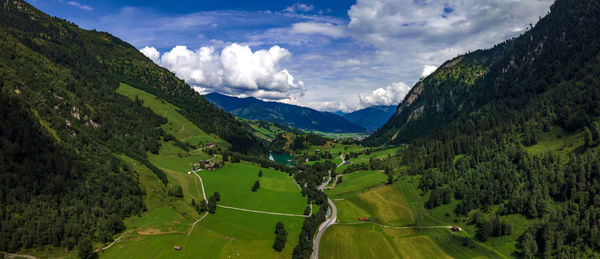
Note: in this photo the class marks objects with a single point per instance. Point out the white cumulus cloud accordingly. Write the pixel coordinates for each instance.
(427, 70)
(151, 53)
(390, 95)
(235, 70)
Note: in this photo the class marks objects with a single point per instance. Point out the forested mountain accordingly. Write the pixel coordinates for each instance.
(291, 115)
(492, 128)
(437, 99)
(63, 124)
(371, 118)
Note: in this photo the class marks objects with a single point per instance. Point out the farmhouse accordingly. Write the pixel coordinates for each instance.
(177, 248)
(211, 145)
(455, 228)
(363, 219)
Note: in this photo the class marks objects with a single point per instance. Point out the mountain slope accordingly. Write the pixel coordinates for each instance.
(291, 115)
(371, 118)
(438, 98)
(63, 123)
(496, 153)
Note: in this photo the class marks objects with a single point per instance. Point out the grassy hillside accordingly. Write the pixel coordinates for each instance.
(355, 183)
(177, 125)
(66, 125)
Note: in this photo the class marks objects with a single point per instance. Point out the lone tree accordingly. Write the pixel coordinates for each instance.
(217, 196)
(280, 237)
(256, 186)
(85, 250)
(201, 206)
(260, 173)
(212, 205)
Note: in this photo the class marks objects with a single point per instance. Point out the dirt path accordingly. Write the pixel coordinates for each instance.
(247, 210)
(114, 242)
(262, 212)
(394, 227)
(202, 186)
(7, 255)
(194, 224)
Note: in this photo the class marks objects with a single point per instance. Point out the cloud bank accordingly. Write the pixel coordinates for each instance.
(235, 70)
(390, 95)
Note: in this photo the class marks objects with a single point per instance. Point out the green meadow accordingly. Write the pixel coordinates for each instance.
(225, 234)
(382, 204)
(355, 183)
(394, 206)
(277, 192)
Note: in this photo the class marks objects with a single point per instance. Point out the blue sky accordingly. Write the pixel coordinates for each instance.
(328, 55)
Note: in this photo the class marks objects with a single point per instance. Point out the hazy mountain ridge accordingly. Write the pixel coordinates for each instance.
(372, 118)
(291, 115)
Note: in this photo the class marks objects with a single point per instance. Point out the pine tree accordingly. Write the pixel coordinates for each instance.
(85, 250)
(212, 205)
(280, 237)
(528, 246)
(260, 173)
(217, 196)
(256, 186)
(587, 135)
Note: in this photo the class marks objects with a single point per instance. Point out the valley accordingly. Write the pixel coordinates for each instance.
(109, 150)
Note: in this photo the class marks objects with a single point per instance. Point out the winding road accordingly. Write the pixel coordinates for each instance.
(328, 222)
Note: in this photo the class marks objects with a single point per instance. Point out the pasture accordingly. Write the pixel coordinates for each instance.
(355, 183)
(277, 192)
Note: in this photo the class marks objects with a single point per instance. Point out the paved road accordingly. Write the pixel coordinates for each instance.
(330, 221)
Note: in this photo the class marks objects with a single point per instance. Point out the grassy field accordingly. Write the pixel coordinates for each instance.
(382, 204)
(277, 193)
(394, 205)
(226, 234)
(371, 241)
(557, 140)
(355, 183)
(178, 125)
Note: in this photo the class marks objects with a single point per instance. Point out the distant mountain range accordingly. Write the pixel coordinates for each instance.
(371, 118)
(288, 114)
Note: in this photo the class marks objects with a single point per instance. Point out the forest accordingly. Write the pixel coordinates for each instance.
(63, 125)
(547, 79)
